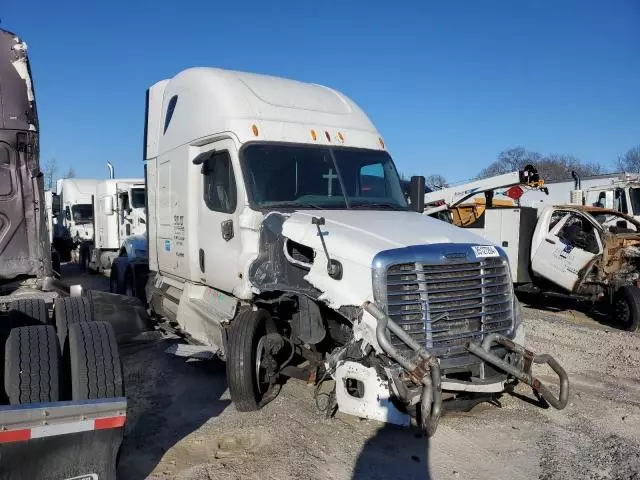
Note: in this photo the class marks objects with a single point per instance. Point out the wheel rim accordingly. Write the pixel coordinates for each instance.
(261, 373)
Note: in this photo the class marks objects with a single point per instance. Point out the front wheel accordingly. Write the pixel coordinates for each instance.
(252, 369)
(626, 308)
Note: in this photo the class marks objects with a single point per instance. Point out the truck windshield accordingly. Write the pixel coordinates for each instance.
(296, 176)
(137, 198)
(82, 213)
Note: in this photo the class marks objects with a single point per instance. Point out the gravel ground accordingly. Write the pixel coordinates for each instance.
(182, 425)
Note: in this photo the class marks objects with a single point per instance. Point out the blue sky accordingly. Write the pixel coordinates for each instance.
(449, 84)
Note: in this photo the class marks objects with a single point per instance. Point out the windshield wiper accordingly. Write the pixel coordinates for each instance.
(374, 206)
(293, 205)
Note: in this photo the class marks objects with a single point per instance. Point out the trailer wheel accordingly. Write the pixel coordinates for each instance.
(626, 308)
(28, 311)
(31, 365)
(70, 310)
(248, 362)
(96, 371)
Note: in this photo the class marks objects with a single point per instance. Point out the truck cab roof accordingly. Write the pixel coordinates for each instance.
(201, 102)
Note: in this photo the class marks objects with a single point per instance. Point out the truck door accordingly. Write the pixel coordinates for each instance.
(218, 238)
(570, 244)
(15, 254)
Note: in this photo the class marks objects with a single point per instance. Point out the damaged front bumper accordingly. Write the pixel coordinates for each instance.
(423, 368)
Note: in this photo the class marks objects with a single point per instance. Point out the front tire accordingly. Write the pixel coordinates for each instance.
(245, 347)
(626, 308)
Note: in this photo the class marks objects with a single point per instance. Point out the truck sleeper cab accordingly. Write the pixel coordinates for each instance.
(280, 239)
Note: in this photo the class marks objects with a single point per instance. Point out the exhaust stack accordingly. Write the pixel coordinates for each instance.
(111, 171)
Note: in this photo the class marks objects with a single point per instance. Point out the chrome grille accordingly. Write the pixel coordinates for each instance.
(444, 306)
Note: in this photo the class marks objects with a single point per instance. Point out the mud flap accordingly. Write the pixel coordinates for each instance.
(79, 440)
(85, 455)
(127, 315)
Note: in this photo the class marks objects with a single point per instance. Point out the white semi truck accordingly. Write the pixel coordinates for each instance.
(75, 197)
(119, 212)
(62, 405)
(280, 240)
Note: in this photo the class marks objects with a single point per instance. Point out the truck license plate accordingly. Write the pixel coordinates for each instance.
(485, 251)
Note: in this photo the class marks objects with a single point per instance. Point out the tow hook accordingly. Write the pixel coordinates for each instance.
(524, 373)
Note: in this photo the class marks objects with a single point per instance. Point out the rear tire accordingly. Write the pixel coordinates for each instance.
(31, 365)
(68, 311)
(28, 311)
(247, 394)
(626, 308)
(96, 371)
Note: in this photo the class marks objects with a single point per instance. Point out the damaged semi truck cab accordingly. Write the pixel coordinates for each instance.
(280, 239)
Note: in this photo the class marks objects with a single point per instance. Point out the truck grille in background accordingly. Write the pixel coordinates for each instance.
(445, 306)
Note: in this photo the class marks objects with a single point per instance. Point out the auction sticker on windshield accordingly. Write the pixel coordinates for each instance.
(485, 251)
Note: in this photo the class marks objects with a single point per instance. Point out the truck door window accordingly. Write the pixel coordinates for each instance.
(6, 181)
(621, 201)
(219, 183)
(556, 217)
(578, 232)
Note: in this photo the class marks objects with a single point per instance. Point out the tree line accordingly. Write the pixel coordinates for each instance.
(51, 174)
(551, 167)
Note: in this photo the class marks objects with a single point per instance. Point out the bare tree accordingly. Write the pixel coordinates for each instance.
(435, 181)
(550, 167)
(630, 161)
(71, 173)
(50, 173)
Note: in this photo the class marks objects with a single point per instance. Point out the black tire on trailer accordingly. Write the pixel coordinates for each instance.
(626, 308)
(248, 393)
(70, 310)
(28, 311)
(96, 370)
(32, 365)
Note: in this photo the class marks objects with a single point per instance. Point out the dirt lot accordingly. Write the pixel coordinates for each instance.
(182, 424)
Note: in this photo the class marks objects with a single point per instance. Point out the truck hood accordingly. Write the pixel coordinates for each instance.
(357, 236)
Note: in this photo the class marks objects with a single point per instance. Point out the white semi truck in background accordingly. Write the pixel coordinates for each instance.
(62, 405)
(280, 240)
(119, 212)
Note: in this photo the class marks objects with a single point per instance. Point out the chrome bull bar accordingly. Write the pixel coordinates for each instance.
(524, 374)
(423, 368)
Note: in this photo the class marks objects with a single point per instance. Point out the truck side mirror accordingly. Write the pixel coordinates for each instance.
(108, 205)
(416, 193)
